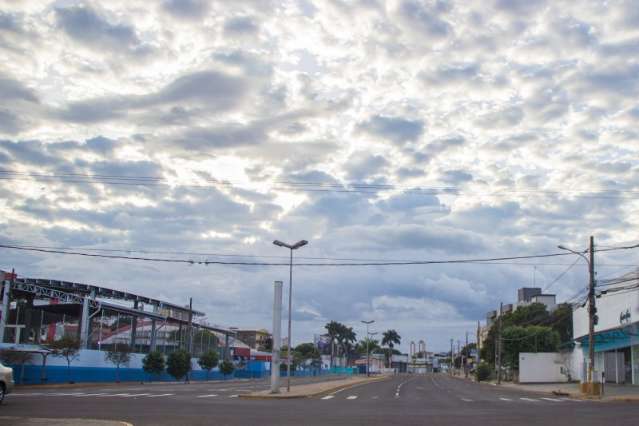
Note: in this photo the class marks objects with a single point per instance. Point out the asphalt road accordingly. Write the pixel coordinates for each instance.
(412, 400)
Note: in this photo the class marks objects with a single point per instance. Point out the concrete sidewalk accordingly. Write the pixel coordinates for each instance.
(31, 421)
(314, 389)
(612, 392)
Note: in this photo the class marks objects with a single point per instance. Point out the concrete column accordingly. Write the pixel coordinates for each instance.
(134, 327)
(84, 324)
(277, 337)
(5, 309)
(153, 336)
(226, 347)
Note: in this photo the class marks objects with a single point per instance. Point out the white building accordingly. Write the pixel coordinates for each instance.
(616, 332)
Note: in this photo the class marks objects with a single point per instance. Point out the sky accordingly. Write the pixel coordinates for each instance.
(397, 130)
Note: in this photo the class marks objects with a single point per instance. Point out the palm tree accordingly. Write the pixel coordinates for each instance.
(390, 338)
(333, 329)
(347, 337)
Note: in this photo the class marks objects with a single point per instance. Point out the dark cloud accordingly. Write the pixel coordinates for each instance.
(10, 123)
(454, 73)
(456, 177)
(361, 165)
(187, 9)
(519, 7)
(85, 26)
(211, 89)
(423, 17)
(11, 90)
(396, 129)
(241, 25)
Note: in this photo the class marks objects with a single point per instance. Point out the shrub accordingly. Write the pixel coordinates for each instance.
(482, 372)
(153, 363)
(178, 364)
(208, 361)
(226, 368)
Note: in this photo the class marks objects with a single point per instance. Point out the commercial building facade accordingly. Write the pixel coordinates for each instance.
(616, 339)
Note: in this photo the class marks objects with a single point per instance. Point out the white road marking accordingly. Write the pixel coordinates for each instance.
(351, 397)
(328, 397)
(89, 394)
(552, 399)
(374, 397)
(529, 399)
(505, 399)
(137, 394)
(162, 394)
(467, 400)
(26, 394)
(207, 396)
(66, 394)
(571, 400)
(233, 396)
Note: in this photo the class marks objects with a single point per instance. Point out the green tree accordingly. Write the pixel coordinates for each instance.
(118, 355)
(373, 346)
(346, 338)
(68, 348)
(389, 339)
(208, 361)
(15, 357)
(178, 364)
(153, 363)
(305, 352)
(226, 368)
(533, 338)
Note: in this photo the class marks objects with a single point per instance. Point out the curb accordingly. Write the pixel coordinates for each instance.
(313, 393)
(122, 384)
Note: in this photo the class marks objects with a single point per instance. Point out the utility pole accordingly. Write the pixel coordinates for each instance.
(466, 357)
(459, 352)
(501, 308)
(450, 367)
(592, 311)
(478, 343)
(277, 337)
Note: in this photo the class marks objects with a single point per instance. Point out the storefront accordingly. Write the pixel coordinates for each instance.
(616, 340)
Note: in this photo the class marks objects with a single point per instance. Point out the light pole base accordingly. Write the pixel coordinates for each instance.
(591, 388)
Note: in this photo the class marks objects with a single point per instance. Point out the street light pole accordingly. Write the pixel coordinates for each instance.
(291, 247)
(368, 355)
(592, 309)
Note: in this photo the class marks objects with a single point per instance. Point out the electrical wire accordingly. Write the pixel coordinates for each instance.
(215, 262)
(284, 185)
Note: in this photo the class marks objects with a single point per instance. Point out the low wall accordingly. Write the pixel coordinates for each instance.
(91, 366)
(543, 367)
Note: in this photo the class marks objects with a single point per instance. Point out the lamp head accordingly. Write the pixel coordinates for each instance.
(279, 243)
(299, 244)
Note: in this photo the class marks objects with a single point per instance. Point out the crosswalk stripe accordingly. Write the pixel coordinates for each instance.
(505, 399)
(552, 399)
(351, 397)
(233, 396)
(162, 394)
(467, 400)
(328, 397)
(207, 396)
(137, 394)
(529, 399)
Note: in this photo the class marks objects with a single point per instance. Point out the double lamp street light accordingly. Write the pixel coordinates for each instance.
(291, 247)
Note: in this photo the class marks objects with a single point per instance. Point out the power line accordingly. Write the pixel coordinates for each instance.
(235, 255)
(215, 262)
(343, 187)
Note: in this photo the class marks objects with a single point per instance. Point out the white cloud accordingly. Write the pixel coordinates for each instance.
(517, 111)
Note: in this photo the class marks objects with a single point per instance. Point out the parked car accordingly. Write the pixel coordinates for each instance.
(6, 381)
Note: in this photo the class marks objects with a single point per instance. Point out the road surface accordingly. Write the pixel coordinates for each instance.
(433, 399)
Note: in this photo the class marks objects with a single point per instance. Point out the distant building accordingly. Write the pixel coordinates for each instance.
(255, 339)
(524, 294)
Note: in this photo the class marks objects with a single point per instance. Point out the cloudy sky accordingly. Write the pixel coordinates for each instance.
(393, 130)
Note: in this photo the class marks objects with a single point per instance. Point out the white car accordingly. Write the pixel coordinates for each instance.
(6, 381)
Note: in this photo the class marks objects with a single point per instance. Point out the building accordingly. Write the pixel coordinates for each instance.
(529, 295)
(616, 339)
(35, 312)
(255, 339)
